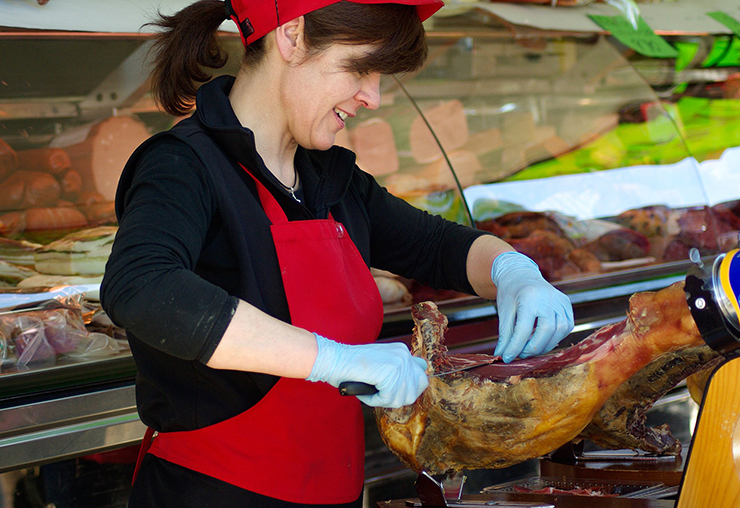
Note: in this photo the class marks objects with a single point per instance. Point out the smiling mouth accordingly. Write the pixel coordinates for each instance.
(341, 114)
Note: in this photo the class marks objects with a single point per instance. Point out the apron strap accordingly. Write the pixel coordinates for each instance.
(273, 210)
(145, 444)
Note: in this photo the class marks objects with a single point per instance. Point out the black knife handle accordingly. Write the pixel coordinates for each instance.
(356, 388)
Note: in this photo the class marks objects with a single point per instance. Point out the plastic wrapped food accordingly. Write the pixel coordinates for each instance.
(29, 338)
(42, 327)
(95, 345)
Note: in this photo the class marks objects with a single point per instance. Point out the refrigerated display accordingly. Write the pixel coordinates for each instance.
(604, 166)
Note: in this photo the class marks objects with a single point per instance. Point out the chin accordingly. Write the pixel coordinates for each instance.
(322, 145)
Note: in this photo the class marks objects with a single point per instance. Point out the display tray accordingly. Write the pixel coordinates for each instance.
(583, 487)
(65, 378)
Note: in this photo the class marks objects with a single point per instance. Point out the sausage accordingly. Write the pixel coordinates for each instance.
(8, 160)
(27, 189)
(50, 160)
(42, 189)
(100, 213)
(11, 192)
(90, 197)
(54, 218)
(71, 183)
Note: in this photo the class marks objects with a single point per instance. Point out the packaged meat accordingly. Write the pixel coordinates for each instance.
(62, 328)
(40, 328)
(50, 160)
(27, 335)
(95, 345)
(52, 281)
(67, 334)
(503, 414)
(83, 252)
(8, 357)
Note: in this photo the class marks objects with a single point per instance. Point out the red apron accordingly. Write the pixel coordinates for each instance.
(303, 442)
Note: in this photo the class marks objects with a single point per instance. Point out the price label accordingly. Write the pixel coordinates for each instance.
(726, 20)
(643, 40)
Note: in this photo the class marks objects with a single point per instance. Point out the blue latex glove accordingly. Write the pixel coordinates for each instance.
(399, 377)
(524, 298)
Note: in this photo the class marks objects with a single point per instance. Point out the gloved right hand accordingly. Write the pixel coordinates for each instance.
(399, 377)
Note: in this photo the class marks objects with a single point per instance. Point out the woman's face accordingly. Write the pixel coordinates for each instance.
(321, 94)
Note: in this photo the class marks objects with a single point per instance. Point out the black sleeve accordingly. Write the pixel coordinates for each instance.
(415, 244)
(150, 287)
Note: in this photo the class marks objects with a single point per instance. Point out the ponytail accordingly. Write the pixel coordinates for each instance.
(184, 49)
(187, 46)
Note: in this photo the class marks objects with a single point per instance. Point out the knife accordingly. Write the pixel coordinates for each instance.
(360, 388)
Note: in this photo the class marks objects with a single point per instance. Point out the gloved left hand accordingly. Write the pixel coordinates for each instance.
(533, 316)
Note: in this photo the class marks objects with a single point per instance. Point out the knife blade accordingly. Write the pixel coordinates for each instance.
(360, 388)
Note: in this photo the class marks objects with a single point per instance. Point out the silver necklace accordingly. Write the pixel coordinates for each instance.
(292, 188)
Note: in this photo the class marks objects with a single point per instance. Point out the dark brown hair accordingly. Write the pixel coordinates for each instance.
(186, 45)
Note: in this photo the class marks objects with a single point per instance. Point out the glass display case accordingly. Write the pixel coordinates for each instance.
(604, 166)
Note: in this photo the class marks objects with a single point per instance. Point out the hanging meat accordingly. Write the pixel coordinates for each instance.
(503, 414)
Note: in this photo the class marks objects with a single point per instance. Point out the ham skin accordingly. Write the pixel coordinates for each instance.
(503, 414)
(621, 422)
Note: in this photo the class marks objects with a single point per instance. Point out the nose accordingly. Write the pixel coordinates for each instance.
(369, 93)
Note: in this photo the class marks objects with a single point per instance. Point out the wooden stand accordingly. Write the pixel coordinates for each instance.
(712, 474)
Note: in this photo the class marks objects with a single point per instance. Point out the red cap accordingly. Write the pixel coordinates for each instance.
(256, 18)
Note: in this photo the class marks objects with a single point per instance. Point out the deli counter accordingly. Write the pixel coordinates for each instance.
(605, 166)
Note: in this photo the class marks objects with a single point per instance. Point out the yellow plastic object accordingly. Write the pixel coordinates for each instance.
(712, 474)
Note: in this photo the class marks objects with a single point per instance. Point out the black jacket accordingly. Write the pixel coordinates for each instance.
(193, 238)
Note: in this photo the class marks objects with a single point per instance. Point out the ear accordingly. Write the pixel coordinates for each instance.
(289, 39)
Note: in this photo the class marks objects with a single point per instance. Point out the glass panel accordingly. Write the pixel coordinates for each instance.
(587, 157)
(72, 109)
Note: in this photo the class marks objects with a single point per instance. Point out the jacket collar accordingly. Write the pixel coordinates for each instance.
(325, 175)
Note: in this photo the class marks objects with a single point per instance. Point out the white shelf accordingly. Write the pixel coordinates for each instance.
(668, 17)
(107, 16)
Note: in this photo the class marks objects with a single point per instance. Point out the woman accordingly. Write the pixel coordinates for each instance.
(241, 266)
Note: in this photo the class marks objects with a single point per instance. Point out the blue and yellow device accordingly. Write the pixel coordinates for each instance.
(712, 294)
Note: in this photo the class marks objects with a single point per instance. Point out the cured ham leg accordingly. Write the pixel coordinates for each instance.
(503, 414)
(620, 423)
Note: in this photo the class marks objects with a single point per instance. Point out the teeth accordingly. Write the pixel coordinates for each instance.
(341, 114)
